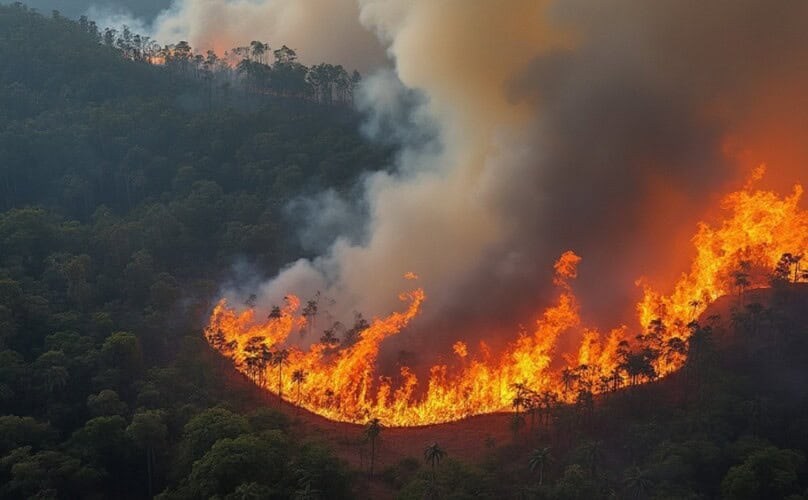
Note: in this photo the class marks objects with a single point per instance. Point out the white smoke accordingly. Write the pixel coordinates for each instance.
(320, 30)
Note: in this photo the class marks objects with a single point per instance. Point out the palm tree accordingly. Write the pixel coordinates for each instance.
(616, 378)
(299, 376)
(433, 454)
(537, 460)
(307, 491)
(741, 278)
(279, 358)
(675, 347)
(637, 482)
(372, 431)
(694, 304)
(310, 313)
(795, 259)
(522, 398)
(568, 378)
(275, 313)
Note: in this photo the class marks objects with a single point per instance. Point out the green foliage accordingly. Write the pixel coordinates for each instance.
(208, 427)
(455, 481)
(231, 462)
(46, 474)
(105, 404)
(575, 484)
(767, 473)
(127, 192)
(16, 432)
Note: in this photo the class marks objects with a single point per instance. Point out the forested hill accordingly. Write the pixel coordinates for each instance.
(53, 62)
(127, 192)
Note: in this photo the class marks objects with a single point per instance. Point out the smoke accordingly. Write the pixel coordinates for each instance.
(528, 128)
(320, 30)
(116, 17)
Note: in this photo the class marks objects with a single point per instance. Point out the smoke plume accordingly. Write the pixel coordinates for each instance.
(528, 128)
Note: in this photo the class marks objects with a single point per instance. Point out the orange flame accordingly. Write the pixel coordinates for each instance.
(340, 382)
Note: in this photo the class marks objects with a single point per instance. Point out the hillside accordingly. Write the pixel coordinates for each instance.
(127, 195)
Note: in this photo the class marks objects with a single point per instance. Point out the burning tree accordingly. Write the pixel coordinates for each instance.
(762, 231)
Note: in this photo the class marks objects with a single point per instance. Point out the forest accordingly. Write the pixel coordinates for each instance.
(133, 177)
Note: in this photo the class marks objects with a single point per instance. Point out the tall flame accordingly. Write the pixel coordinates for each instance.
(340, 381)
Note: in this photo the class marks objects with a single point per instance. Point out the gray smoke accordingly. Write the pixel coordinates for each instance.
(529, 128)
(320, 30)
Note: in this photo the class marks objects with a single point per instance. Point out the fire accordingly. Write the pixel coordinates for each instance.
(337, 378)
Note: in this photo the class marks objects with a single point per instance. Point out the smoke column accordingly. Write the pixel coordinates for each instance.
(528, 128)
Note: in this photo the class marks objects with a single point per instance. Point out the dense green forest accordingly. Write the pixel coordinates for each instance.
(127, 195)
(129, 189)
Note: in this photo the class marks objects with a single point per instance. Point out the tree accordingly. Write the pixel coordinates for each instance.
(234, 461)
(106, 403)
(568, 378)
(103, 442)
(593, 454)
(520, 399)
(121, 354)
(433, 454)
(56, 378)
(298, 377)
(307, 492)
(47, 474)
(284, 55)
(149, 432)
(516, 422)
(258, 49)
(574, 483)
(694, 307)
(637, 482)
(257, 356)
(17, 431)
(537, 460)
(637, 365)
(310, 311)
(675, 349)
(329, 337)
(279, 358)
(352, 335)
(206, 428)
(372, 431)
(741, 278)
(275, 313)
(782, 271)
(795, 260)
(769, 472)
